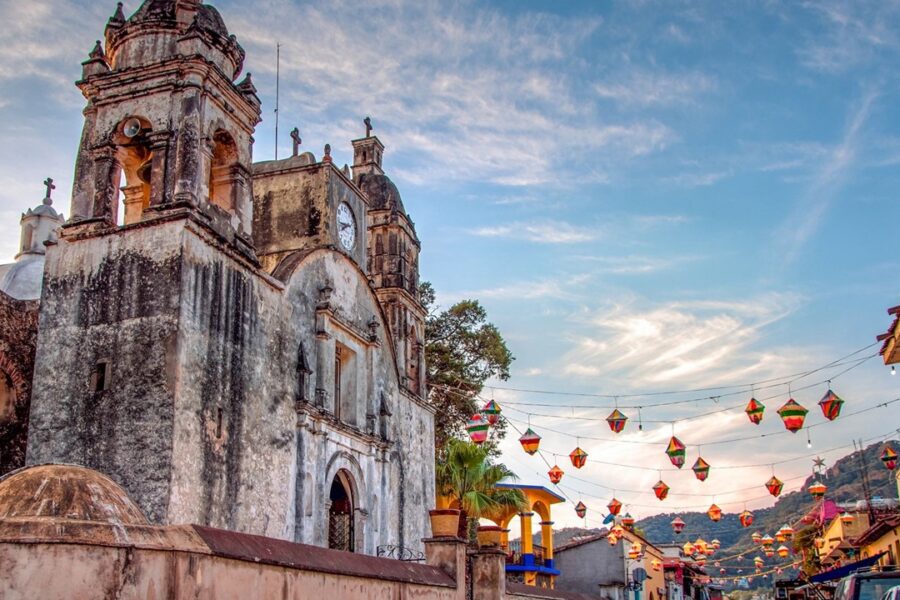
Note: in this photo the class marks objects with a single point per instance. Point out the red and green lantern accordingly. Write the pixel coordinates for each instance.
(555, 474)
(661, 489)
(889, 458)
(676, 451)
(580, 509)
(578, 458)
(775, 485)
(492, 411)
(616, 421)
(831, 405)
(714, 513)
(817, 489)
(627, 521)
(677, 525)
(755, 410)
(746, 518)
(701, 469)
(793, 415)
(614, 507)
(530, 441)
(478, 428)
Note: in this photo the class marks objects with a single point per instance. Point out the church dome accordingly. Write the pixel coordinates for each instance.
(207, 19)
(24, 278)
(381, 192)
(66, 492)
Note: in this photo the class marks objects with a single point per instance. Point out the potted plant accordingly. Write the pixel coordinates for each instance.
(444, 522)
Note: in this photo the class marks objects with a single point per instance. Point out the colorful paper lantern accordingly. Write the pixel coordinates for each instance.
(817, 489)
(700, 560)
(580, 509)
(656, 564)
(616, 421)
(721, 571)
(492, 411)
(688, 549)
(783, 551)
(478, 429)
(889, 458)
(612, 539)
(793, 415)
(775, 485)
(578, 458)
(787, 531)
(846, 518)
(677, 525)
(627, 521)
(758, 561)
(634, 551)
(700, 545)
(767, 541)
(701, 469)
(614, 507)
(714, 513)
(756, 537)
(676, 451)
(746, 518)
(715, 544)
(831, 405)
(530, 441)
(755, 410)
(555, 474)
(769, 552)
(661, 489)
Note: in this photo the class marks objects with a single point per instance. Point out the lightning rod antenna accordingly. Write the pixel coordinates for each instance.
(277, 92)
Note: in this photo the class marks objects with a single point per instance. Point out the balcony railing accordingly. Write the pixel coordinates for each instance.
(514, 554)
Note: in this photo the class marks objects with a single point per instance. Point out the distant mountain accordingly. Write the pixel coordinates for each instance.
(844, 483)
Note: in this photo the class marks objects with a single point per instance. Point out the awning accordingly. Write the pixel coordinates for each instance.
(846, 569)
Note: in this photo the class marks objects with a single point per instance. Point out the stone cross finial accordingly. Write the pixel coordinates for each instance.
(295, 135)
(50, 187)
(327, 157)
(368, 123)
(97, 52)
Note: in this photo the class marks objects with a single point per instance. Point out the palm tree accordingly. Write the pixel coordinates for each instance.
(466, 476)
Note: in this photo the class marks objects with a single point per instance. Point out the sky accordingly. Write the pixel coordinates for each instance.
(647, 197)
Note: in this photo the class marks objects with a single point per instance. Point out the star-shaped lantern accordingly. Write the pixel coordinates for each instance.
(793, 415)
(676, 451)
(555, 474)
(580, 510)
(616, 421)
(677, 525)
(614, 507)
(746, 518)
(714, 513)
(818, 463)
(817, 489)
(492, 411)
(889, 458)
(755, 410)
(775, 485)
(578, 458)
(530, 441)
(477, 427)
(661, 489)
(701, 469)
(831, 405)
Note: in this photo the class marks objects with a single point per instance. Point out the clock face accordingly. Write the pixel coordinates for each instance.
(346, 224)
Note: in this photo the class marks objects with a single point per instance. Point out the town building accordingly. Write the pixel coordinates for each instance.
(237, 345)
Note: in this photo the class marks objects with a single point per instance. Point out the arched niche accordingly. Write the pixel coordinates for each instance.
(223, 171)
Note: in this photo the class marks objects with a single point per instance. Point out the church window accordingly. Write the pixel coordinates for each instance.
(100, 376)
(7, 397)
(27, 237)
(222, 171)
(345, 408)
(340, 514)
(338, 375)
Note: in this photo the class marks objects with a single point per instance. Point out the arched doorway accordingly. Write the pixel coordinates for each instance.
(341, 532)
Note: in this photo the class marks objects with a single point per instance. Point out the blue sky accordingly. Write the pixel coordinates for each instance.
(646, 196)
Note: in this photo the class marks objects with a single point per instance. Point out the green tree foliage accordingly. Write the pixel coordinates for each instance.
(462, 351)
(465, 474)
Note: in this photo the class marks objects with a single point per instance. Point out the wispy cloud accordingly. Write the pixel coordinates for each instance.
(851, 34)
(540, 232)
(634, 265)
(565, 287)
(642, 89)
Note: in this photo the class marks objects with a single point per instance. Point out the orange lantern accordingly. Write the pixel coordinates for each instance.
(746, 518)
(656, 564)
(578, 458)
(714, 513)
(614, 507)
(767, 541)
(846, 518)
(688, 549)
(555, 474)
(661, 489)
(793, 415)
(627, 521)
(616, 421)
(787, 531)
(817, 489)
(783, 551)
(612, 539)
(530, 441)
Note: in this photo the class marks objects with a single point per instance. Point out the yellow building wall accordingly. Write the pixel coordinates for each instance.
(837, 531)
(890, 543)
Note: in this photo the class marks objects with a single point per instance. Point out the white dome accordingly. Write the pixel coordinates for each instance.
(24, 278)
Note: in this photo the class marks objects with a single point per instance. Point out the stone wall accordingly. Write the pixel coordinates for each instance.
(18, 338)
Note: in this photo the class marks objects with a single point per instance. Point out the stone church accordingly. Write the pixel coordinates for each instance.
(236, 344)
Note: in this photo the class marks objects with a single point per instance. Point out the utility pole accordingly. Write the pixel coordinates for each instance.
(864, 470)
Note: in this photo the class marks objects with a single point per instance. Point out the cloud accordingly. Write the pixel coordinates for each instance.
(643, 89)
(540, 232)
(559, 288)
(851, 34)
(634, 265)
(678, 341)
(697, 179)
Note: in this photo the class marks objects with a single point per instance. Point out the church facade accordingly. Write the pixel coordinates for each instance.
(236, 344)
